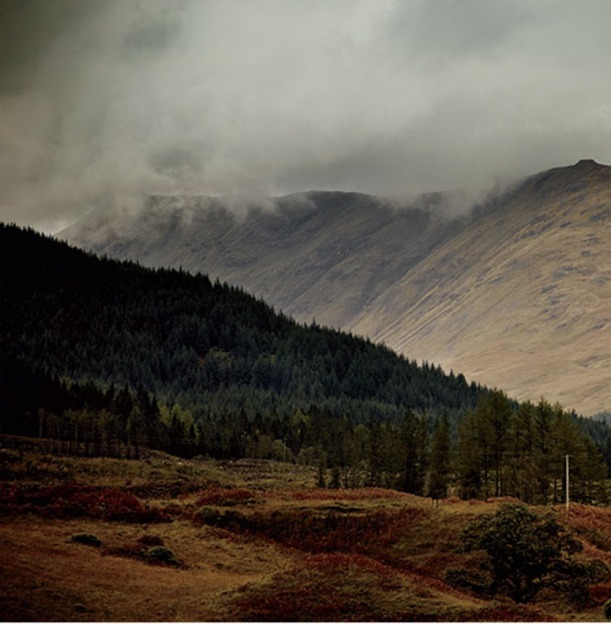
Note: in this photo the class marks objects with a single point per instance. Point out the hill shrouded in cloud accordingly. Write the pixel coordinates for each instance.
(103, 102)
(514, 294)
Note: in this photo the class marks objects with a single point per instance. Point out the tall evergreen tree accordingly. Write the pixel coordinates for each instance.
(439, 471)
(415, 437)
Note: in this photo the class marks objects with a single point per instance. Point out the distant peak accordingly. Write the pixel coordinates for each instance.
(587, 162)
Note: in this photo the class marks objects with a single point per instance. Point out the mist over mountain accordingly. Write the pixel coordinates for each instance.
(293, 251)
(515, 293)
(112, 101)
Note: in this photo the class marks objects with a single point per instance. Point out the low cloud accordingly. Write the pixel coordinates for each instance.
(107, 102)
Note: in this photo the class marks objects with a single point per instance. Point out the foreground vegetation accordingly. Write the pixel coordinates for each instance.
(163, 538)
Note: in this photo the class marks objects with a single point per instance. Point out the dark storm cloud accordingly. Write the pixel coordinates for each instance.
(105, 102)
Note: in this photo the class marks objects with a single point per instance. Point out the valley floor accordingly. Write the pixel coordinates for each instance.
(196, 540)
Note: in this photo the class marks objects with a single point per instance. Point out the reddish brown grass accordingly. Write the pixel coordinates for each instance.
(215, 495)
(503, 499)
(76, 501)
(507, 613)
(315, 532)
(361, 494)
(590, 518)
(324, 587)
(600, 593)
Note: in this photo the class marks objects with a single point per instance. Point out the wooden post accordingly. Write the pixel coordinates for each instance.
(567, 484)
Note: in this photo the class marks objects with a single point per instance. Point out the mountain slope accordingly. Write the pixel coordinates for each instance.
(522, 298)
(320, 254)
(516, 294)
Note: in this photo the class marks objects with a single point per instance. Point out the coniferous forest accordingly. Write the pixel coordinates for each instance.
(110, 358)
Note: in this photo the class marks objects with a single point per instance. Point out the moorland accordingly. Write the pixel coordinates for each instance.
(162, 538)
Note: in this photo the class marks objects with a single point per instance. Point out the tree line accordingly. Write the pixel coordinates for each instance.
(497, 449)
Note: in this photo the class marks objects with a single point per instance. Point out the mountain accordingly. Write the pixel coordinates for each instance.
(521, 298)
(515, 293)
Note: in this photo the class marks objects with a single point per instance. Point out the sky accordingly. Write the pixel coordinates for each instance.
(103, 102)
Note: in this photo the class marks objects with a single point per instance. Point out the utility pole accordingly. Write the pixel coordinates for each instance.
(567, 483)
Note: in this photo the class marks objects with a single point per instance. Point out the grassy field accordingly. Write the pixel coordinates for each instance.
(197, 540)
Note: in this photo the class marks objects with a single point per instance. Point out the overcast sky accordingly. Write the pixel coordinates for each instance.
(104, 101)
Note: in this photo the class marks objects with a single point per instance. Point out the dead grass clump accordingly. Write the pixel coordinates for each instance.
(225, 496)
(150, 540)
(67, 501)
(320, 494)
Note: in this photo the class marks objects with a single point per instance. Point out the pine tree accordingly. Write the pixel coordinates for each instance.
(439, 472)
(499, 416)
(415, 440)
(521, 461)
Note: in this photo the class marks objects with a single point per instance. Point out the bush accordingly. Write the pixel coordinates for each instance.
(607, 609)
(87, 539)
(221, 518)
(162, 555)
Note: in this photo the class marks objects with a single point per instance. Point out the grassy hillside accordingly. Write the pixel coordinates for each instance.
(248, 541)
(521, 298)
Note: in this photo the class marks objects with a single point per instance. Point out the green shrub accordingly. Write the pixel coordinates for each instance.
(87, 539)
(607, 610)
(163, 555)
